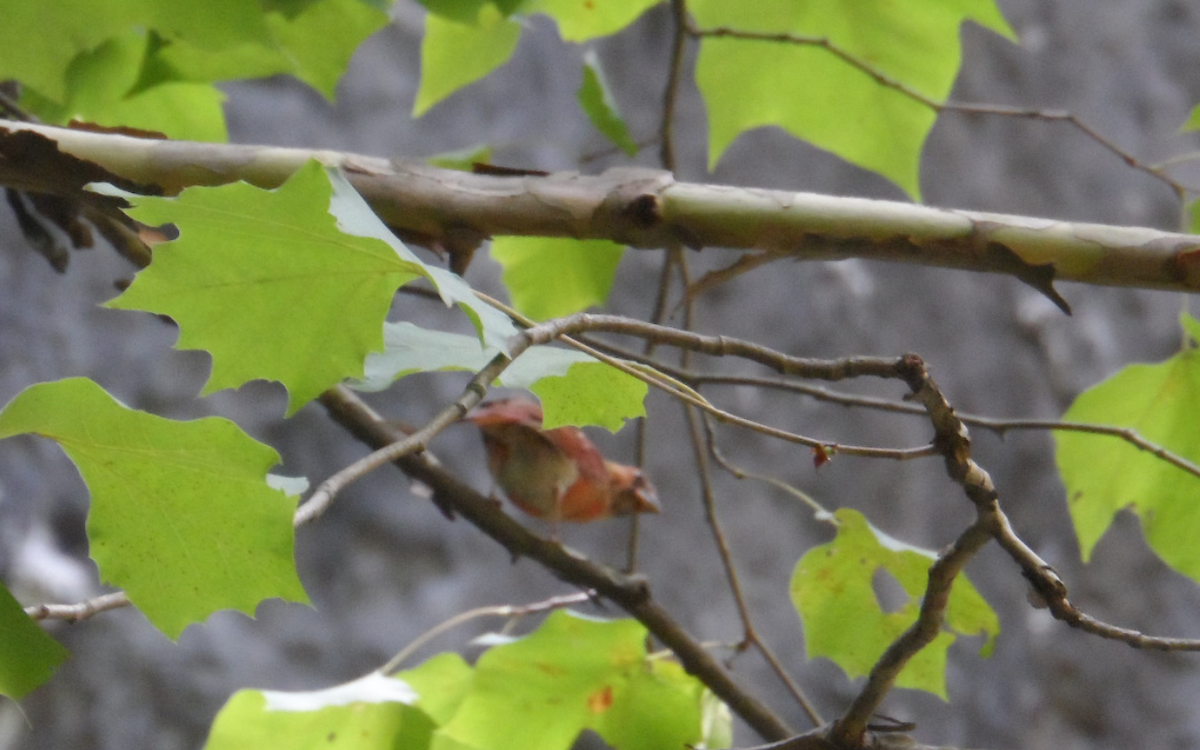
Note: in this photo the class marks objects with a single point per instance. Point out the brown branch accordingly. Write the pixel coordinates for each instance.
(666, 130)
(751, 636)
(995, 424)
(631, 593)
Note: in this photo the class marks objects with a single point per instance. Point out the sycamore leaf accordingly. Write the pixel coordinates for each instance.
(487, 31)
(816, 96)
(551, 276)
(574, 673)
(1103, 475)
(591, 394)
(182, 517)
(573, 387)
(28, 656)
(598, 103)
(581, 20)
(312, 40)
(832, 588)
(371, 713)
(41, 42)
(152, 64)
(355, 217)
(459, 51)
(248, 259)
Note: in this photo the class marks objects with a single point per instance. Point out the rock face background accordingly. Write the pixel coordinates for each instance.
(383, 565)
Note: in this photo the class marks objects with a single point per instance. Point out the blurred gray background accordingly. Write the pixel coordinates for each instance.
(382, 566)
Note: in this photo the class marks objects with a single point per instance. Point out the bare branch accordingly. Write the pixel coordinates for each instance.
(647, 208)
(80, 610)
(504, 610)
(631, 593)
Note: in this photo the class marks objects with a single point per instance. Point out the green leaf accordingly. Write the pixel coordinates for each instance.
(574, 388)
(816, 96)
(151, 63)
(591, 393)
(373, 712)
(574, 673)
(455, 53)
(600, 106)
(549, 276)
(832, 588)
(1103, 474)
(581, 20)
(464, 159)
(182, 517)
(1193, 120)
(441, 684)
(247, 259)
(314, 43)
(28, 657)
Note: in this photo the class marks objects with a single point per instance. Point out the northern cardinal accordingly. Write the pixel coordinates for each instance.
(556, 474)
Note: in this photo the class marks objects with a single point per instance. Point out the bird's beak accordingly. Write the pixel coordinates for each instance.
(633, 492)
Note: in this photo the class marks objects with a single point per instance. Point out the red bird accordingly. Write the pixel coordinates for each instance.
(556, 474)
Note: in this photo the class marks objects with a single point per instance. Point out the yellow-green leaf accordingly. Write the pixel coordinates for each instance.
(182, 516)
(1103, 474)
(455, 53)
(552, 276)
(832, 588)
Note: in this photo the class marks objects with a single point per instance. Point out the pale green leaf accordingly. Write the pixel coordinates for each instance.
(597, 101)
(549, 277)
(247, 259)
(372, 713)
(455, 53)
(1104, 475)
(832, 589)
(574, 388)
(355, 217)
(28, 656)
(182, 516)
(820, 98)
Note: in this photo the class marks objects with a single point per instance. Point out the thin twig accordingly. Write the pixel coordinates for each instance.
(504, 610)
(823, 369)
(995, 424)
(80, 610)
(750, 636)
(417, 441)
(679, 35)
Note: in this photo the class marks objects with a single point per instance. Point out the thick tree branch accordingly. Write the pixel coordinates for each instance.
(647, 208)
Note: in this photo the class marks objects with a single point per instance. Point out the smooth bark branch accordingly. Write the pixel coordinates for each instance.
(649, 209)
